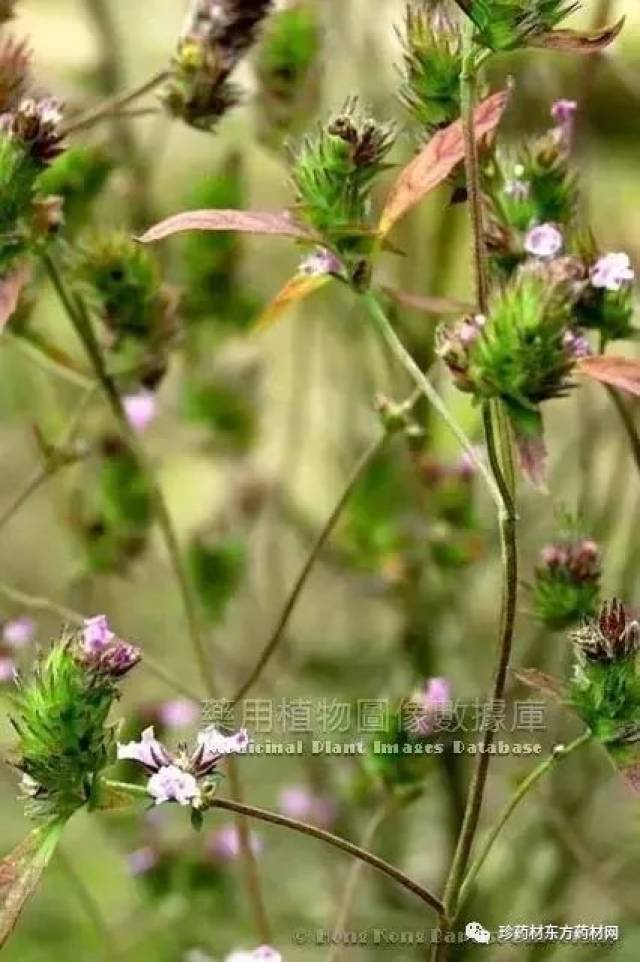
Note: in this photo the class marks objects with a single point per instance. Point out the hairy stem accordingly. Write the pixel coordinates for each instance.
(558, 753)
(307, 567)
(499, 451)
(274, 818)
(426, 387)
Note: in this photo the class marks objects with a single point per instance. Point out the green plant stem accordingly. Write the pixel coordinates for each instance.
(426, 387)
(558, 753)
(274, 818)
(114, 104)
(306, 569)
(83, 328)
(500, 459)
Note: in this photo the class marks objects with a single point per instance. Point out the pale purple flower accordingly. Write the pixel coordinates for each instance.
(173, 784)
(8, 669)
(544, 240)
(224, 845)
(612, 271)
(576, 344)
(213, 742)
(142, 860)
(265, 953)
(563, 111)
(97, 635)
(517, 189)
(18, 632)
(140, 409)
(148, 751)
(297, 802)
(321, 262)
(178, 713)
(428, 702)
(103, 651)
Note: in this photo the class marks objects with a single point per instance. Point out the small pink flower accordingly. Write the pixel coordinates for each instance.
(178, 713)
(224, 845)
(97, 634)
(18, 632)
(140, 409)
(142, 860)
(321, 262)
(432, 699)
(8, 669)
(544, 241)
(612, 272)
(576, 344)
(173, 784)
(563, 112)
(148, 751)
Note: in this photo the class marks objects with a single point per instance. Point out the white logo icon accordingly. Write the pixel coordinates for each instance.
(477, 933)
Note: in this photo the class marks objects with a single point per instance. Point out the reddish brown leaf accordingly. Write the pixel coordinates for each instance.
(436, 161)
(296, 289)
(545, 684)
(620, 372)
(578, 41)
(11, 287)
(276, 223)
(20, 873)
(429, 305)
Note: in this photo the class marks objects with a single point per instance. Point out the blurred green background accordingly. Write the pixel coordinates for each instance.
(572, 852)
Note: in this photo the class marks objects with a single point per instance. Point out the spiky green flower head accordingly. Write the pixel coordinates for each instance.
(605, 690)
(432, 64)
(606, 300)
(507, 24)
(333, 173)
(112, 509)
(123, 284)
(566, 587)
(77, 177)
(61, 717)
(521, 351)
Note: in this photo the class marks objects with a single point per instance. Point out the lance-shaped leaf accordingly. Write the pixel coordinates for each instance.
(297, 288)
(21, 871)
(437, 160)
(429, 305)
(620, 372)
(272, 223)
(578, 41)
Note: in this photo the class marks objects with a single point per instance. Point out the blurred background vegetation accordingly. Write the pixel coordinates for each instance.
(255, 436)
